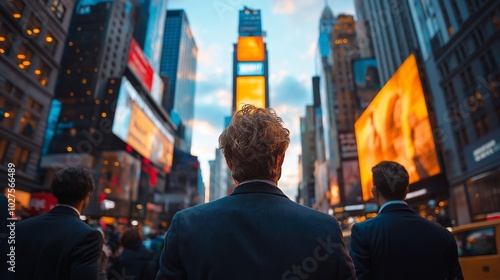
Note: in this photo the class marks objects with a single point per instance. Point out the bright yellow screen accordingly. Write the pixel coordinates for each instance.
(250, 90)
(395, 127)
(250, 49)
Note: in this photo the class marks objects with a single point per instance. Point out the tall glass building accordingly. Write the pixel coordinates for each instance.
(149, 29)
(178, 62)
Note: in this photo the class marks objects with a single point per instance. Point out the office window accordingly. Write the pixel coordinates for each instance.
(30, 119)
(456, 12)
(5, 40)
(33, 26)
(58, 9)
(8, 112)
(50, 43)
(42, 73)
(15, 8)
(24, 56)
(21, 158)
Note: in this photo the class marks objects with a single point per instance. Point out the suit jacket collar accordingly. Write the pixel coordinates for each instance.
(64, 210)
(257, 187)
(396, 207)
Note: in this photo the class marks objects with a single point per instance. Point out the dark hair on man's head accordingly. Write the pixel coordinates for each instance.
(72, 185)
(391, 179)
(131, 238)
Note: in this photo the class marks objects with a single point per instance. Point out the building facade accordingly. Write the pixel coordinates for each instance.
(178, 63)
(32, 39)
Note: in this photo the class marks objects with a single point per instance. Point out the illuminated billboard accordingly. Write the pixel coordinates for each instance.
(395, 127)
(250, 90)
(250, 68)
(250, 48)
(137, 125)
(366, 80)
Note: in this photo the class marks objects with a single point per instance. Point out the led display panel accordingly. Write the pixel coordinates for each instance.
(250, 48)
(250, 90)
(395, 127)
(137, 125)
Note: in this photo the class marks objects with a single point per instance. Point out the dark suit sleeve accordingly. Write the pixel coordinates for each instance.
(345, 265)
(170, 263)
(85, 259)
(456, 269)
(360, 253)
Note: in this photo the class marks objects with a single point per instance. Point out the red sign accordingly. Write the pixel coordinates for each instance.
(140, 66)
(41, 203)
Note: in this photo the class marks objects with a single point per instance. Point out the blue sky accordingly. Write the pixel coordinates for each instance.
(292, 33)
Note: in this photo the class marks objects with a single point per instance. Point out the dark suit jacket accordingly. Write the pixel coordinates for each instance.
(399, 244)
(255, 233)
(57, 246)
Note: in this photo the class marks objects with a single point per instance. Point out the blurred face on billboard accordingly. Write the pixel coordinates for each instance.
(395, 127)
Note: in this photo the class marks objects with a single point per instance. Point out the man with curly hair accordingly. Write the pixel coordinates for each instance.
(257, 232)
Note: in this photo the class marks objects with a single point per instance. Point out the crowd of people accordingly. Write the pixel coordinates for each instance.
(257, 232)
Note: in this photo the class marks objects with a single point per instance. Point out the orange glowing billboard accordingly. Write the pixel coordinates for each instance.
(395, 127)
(250, 90)
(250, 48)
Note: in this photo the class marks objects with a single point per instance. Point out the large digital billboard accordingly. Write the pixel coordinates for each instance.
(250, 48)
(137, 125)
(250, 90)
(395, 127)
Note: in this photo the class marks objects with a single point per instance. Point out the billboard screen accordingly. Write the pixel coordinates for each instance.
(250, 90)
(250, 68)
(366, 80)
(139, 64)
(352, 183)
(395, 127)
(139, 127)
(250, 48)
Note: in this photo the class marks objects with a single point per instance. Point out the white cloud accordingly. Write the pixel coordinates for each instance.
(284, 7)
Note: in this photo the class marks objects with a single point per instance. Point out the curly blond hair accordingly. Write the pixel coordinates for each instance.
(254, 142)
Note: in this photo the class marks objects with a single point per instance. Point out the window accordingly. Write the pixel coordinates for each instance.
(50, 43)
(5, 40)
(15, 8)
(3, 148)
(23, 57)
(33, 26)
(42, 73)
(29, 120)
(476, 242)
(8, 112)
(456, 12)
(21, 158)
(58, 9)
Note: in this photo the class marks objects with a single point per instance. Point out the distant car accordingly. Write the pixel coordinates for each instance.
(478, 249)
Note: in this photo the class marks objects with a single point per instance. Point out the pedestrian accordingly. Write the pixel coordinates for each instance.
(58, 245)
(256, 232)
(398, 243)
(135, 261)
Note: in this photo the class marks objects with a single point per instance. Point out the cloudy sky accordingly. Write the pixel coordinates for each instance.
(292, 32)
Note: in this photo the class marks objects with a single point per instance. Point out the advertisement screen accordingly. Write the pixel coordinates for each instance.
(250, 90)
(395, 127)
(139, 127)
(366, 80)
(140, 66)
(250, 48)
(250, 68)
(352, 183)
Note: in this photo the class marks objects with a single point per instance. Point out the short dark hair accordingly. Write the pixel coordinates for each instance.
(131, 238)
(72, 185)
(391, 179)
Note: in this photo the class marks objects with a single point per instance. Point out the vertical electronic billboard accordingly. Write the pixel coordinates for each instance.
(250, 73)
(395, 127)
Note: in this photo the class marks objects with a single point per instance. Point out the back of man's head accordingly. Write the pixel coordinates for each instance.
(391, 180)
(72, 185)
(254, 142)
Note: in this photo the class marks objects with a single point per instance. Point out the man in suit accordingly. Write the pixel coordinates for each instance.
(398, 243)
(256, 232)
(58, 245)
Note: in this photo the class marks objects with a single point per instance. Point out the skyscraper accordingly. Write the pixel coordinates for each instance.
(250, 60)
(149, 29)
(178, 62)
(32, 40)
